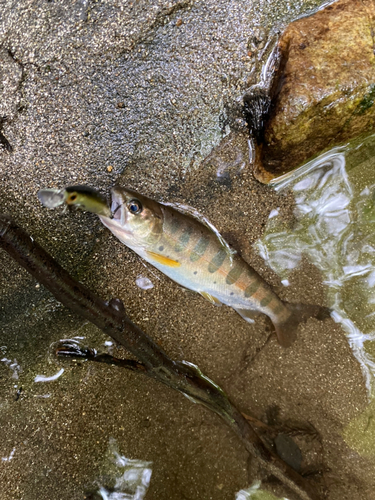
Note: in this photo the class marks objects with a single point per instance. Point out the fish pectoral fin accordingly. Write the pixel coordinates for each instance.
(162, 259)
(248, 315)
(211, 298)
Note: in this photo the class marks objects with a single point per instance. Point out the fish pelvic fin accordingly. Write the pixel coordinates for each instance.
(162, 259)
(211, 298)
(287, 330)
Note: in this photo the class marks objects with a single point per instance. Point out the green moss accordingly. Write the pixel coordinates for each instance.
(367, 101)
(359, 434)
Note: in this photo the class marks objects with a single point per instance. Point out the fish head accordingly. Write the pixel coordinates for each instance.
(136, 220)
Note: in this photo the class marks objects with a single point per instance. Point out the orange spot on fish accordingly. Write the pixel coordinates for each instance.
(241, 285)
(163, 260)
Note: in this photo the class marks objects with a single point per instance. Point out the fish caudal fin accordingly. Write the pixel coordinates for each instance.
(287, 331)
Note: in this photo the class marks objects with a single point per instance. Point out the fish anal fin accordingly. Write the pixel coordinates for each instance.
(248, 315)
(162, 259)
(211, 298)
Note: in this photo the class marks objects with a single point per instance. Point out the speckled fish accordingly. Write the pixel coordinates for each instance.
(194, 255)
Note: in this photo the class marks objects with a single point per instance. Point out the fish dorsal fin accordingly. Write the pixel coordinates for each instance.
(162, 259)
(211, 298)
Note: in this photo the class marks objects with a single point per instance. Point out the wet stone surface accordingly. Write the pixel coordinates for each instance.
(327, 88)
(149, 95)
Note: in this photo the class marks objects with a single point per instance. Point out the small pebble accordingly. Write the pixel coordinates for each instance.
(144, 283)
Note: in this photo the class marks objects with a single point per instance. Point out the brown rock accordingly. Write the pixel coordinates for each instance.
(327, 90)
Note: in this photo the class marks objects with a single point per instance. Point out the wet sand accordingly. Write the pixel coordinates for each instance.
(60, 430)
(314, 388)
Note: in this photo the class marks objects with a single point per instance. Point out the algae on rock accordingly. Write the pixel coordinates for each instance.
(327, 87)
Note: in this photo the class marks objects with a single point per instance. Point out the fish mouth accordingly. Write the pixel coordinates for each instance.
(117, 207)
(117, 222)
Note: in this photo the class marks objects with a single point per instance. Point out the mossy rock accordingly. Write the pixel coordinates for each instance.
(327, 88)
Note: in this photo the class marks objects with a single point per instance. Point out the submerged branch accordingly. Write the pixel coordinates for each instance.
(111, 318)
(72, 350)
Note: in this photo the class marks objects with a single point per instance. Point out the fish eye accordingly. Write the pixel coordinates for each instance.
(135, 207)
(71, 198)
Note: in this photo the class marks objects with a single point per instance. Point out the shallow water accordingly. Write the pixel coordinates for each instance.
(334, 227)
(127, 479)
(56, 432)
(255, 492)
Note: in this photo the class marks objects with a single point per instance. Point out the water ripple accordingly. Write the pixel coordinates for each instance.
(335, 210)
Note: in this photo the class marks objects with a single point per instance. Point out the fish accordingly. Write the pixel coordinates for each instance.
(191, 252)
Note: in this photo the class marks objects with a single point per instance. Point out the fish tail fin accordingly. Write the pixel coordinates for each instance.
(286, 331)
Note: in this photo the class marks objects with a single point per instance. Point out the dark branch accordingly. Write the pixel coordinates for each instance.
(110, 317)
(73, 351)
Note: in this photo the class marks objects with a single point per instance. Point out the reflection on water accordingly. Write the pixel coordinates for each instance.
(335, 216)
(45, 378)
(9, 458)
(255, 493)
(226, 169)
(13, 366)
(124, 478)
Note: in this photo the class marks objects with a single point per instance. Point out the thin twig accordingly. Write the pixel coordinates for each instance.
(110, 317)
(73, 351)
